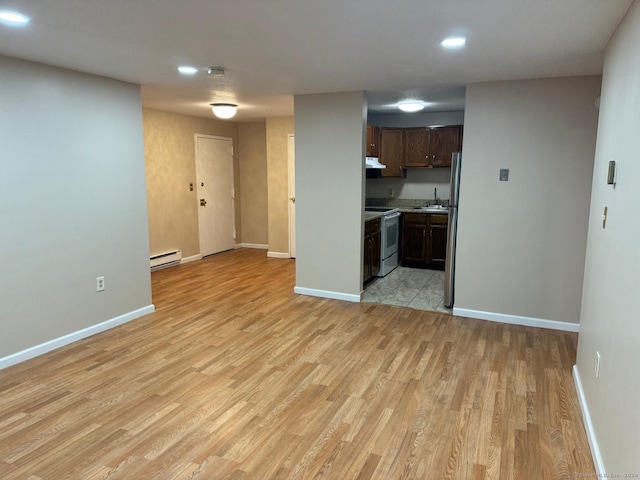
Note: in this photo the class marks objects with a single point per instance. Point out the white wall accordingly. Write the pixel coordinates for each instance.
(418, 184)
(521, 243)
(330, 137)
(611, 297)
(72, 203)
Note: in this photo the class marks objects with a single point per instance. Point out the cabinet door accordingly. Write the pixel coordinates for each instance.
(373, 141)
(391, 151)
(376, 243)
(416, 147)
(437, 244)
(444, 141)
(414, 243)
(366, 272)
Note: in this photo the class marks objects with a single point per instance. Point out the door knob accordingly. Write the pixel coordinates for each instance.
(293, 199)
(203, 202)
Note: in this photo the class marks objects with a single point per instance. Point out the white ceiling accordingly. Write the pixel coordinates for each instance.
(273, 49)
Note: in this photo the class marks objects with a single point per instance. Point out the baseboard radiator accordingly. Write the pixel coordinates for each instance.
(166, 259)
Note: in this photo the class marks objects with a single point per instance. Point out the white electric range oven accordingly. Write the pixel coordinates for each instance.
(390, 225)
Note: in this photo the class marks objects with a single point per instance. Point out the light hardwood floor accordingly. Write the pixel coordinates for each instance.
(235, 377)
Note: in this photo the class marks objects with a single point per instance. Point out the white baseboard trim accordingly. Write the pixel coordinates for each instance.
(271, 254)
(326, 294)
(588, 426)
(260, 246)
(517, 320)
(192, 258)
(46, 347)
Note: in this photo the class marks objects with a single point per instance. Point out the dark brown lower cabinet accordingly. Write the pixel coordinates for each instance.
(437, 240)
(424, 240)
(372, 239)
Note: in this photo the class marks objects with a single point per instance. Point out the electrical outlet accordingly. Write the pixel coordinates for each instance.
(391, 192)
(99, 284)
(597, 364)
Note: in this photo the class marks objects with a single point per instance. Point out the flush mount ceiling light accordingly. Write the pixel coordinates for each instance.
(410, 106)
(453, 42)
(186, 70)
(14, 18)
(224, 110)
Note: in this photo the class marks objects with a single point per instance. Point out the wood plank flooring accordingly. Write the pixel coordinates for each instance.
(235, 377)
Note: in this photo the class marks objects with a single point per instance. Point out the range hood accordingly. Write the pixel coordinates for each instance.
(372, 162)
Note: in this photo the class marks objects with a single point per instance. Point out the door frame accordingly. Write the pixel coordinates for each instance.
(196, 136)
(291, 193)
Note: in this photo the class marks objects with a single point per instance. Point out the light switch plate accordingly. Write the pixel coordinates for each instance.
(611, 173)
(504, 174)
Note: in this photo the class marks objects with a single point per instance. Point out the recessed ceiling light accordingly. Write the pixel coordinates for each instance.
(410, 106)
(14, 18)
(453, 42)
(186, 70)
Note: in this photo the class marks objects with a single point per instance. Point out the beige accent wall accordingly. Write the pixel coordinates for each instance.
(330, 137)
(252, 154)
(169, 146)
(521, 243)
(72, 203)
(277, 131)
(611, 296)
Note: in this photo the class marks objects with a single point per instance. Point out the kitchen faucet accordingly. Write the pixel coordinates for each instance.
(435, 196)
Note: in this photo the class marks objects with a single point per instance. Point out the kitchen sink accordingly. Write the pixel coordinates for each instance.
(433, 209)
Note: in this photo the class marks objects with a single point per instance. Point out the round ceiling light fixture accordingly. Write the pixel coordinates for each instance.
(410, 106)
(14, 18)
(453, 42)
(224, 110)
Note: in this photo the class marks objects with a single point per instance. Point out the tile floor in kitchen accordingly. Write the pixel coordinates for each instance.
(409, 287)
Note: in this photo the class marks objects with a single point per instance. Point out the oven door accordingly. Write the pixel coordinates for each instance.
(390, 234)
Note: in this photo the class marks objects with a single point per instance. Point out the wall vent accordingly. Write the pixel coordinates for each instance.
(166, 259)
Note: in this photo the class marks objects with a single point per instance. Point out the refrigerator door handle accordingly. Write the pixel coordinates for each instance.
(450, 257)
(452, 231)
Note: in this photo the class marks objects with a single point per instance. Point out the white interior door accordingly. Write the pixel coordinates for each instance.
(216, 209)
(292, 195)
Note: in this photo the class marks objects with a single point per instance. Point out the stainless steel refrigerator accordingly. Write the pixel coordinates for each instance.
(450, 263)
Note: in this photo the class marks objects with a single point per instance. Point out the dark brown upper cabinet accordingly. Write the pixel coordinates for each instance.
(391, 151)
(431, 147)
(373, 141)
(416, 147)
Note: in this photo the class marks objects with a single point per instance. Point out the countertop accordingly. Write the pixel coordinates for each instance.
(368, 216)
(438, 211)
